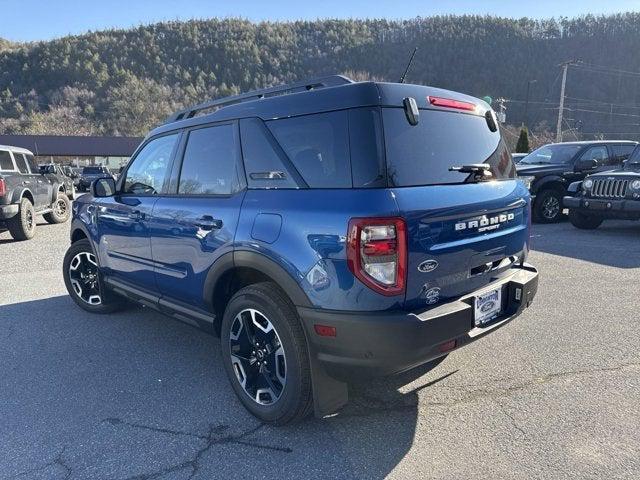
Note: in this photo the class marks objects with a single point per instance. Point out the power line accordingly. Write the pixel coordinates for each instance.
(603, 69)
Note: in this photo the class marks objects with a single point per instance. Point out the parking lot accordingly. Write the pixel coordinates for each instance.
(137, 395)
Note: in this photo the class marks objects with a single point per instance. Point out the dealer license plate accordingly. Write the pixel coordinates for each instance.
(487, 306)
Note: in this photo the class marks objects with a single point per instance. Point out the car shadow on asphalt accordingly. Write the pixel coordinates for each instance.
(614, 243)
(139, 395)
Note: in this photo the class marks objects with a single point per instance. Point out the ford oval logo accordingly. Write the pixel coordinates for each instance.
(428, 266)
(487, 306)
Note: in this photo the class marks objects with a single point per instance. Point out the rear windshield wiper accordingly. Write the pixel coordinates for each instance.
(480, 171)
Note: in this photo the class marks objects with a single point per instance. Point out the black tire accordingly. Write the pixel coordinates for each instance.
(547, 207)
(294, 400)
(61, 210)
(109, 302)
(23, 225)
(584, 221)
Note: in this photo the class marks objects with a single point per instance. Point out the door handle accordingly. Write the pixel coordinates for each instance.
(136, 215)
(207, 222)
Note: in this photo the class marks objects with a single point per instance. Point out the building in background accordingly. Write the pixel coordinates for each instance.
(76, 151)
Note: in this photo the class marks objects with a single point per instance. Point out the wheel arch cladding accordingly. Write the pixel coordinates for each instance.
(551, 183)
(24, 193)
(244, 268)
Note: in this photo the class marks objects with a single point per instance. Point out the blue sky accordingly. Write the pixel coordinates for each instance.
(25, 20)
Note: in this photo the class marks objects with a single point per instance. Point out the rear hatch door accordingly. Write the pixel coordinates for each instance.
(464, 230)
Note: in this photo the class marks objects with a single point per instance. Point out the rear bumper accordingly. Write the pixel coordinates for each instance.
(602, 206)
(8, 211)
(384, 343)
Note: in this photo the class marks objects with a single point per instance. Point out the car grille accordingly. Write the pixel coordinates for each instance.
(609, 188)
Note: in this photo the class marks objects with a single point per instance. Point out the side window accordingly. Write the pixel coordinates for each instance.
(32, 163)
(263, 163)
(209, 162)
(597, 153)
(367, 148)
(21, 162)
(318, 146)
(150, 168)
(5, 160)
(621, 153)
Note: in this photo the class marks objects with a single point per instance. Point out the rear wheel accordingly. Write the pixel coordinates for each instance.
(584, 221)
(61, 210)
(265, 354)
(23, 225)
(547, 207)
(82, 278)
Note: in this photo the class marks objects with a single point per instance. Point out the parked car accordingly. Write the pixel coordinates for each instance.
(549, 170)
(516, 157)
(326, 230)
(57, 174)
(26, 192)
(89, 174)
(608, 195)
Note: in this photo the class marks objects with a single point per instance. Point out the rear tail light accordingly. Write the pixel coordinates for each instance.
(451, 103)
(3, 188)
(377, 253)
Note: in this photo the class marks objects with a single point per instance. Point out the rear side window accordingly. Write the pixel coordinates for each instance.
(5, 160)
(621, 153)
(318, 147)
(367, 148)
(21, 162)
(264, 162)
(424, 153)
(32, 163)
(209, 162)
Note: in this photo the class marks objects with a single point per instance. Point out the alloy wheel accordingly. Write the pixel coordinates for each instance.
(60, 208)
(257, 356)
(551, 208)
(83, 275)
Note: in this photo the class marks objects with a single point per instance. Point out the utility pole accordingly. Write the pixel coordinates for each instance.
(565, 67)
(526, 104)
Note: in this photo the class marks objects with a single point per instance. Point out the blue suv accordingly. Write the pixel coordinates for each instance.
(326, 230)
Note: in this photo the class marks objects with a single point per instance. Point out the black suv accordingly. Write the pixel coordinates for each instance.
(89, 174)
(60, 176)
(25, 193)
(607, 195)
(550, 169)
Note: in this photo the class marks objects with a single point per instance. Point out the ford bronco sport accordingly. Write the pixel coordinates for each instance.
(326, 230)
(25, 192)
(608, 195)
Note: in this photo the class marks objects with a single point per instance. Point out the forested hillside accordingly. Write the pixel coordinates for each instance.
(125, 81)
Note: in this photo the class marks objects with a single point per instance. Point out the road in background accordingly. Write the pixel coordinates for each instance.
(138, 395)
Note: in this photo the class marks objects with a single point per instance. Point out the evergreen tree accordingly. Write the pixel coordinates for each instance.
(523, 141)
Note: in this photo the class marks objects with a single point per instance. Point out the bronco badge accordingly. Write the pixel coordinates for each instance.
(485, 223)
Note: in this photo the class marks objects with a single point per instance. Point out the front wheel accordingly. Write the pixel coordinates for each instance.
(547, 207)
(265, 354)
(82, 278)
(60, 210)
(584, 221)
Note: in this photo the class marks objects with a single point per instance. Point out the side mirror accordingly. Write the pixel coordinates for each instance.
(103, 187)
(583, 165)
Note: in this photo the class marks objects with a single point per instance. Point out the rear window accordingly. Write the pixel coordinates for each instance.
(5, 160)
(424, 153)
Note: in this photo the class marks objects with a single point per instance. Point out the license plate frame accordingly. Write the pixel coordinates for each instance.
(487, 306)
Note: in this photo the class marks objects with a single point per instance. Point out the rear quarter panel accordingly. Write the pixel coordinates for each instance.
(311, 242)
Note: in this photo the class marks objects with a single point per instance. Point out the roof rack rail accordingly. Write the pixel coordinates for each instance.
(329, 81)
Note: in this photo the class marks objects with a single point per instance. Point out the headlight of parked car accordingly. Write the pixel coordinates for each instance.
(635, 184)
(587, 184)
(527, 181)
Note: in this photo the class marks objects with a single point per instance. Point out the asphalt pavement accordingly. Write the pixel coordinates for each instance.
(137, 395)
